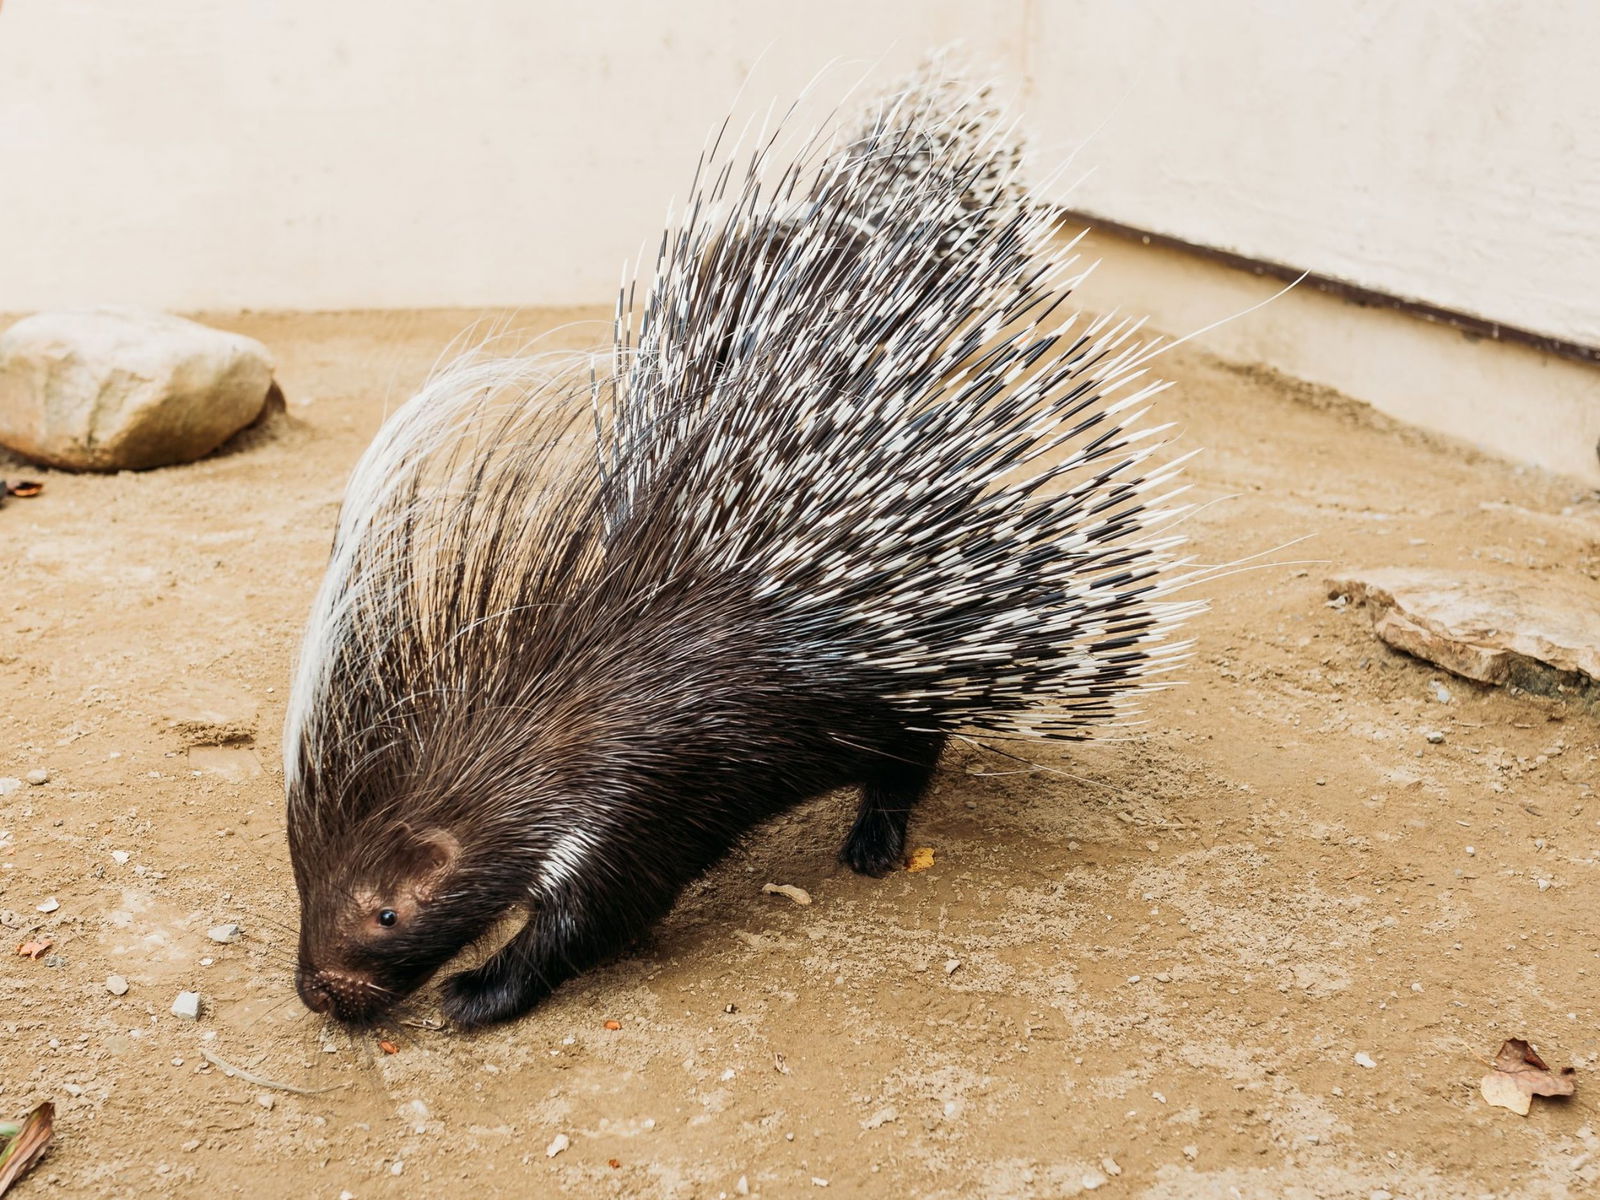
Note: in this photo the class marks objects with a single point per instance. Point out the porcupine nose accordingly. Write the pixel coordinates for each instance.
(314, 993)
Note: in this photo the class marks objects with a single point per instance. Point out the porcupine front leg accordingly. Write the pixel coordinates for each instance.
(557, 943)
(511, 982)
(877, 841)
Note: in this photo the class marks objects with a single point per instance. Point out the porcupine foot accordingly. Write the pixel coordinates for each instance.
(487, 994)
(519, 975)
(562, 938)
(877, 841)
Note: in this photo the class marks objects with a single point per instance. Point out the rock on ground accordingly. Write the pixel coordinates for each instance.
(1538, 632)
(117, 389)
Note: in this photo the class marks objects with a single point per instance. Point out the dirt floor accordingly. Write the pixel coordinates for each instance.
(1262, 948)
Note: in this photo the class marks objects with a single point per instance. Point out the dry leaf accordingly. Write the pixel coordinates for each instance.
(33, 949)
(613, 1163)
(1519, 1075)
(388, 1047)
(613, 1025)
(920, 859)
(797, 894)
(28, 1146)
(23, 489)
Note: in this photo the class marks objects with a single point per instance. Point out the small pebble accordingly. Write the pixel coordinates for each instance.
(557, 1144)
(397, 1168)
(1163, 977)
(1363, 1059)
(120, 857)
(1471, 850)
(1321, 782)
(187, 1006)
(267, 1101)
(1438, 691)
(952, 966)
(1435, 737)
(1094, 1180)
(743, 1186)
(50, 905)
(1544, 885)
(116, 985)
(223, 933)
(9, 785)
(818, 1181)
(1109, 1166)
(37, 776)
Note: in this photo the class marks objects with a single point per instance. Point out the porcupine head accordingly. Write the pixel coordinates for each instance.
(385, 902)
(367, 935)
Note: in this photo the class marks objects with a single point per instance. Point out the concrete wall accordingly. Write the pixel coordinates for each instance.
(388, 153)
(334, 153)
(1442, 152)
(191, 154)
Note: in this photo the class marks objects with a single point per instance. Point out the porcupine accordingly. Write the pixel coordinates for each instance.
(845, 484)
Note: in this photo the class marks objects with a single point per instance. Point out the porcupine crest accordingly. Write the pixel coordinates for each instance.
(848, 456)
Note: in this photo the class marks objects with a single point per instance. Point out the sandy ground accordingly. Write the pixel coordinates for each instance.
(1144, 968)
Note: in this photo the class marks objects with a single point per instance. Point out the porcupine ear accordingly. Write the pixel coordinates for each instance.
(428, 858)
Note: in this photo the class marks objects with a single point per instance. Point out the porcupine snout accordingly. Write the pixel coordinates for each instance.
(347, 998)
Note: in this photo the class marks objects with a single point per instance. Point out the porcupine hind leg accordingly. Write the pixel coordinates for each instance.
(877, 841)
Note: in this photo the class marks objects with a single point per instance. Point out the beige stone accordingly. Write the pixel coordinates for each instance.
(1534, 630)
(115, 389)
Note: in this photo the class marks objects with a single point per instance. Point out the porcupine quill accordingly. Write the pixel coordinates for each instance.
(849, 480)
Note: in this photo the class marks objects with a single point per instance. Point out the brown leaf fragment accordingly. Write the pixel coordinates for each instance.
(920, 859)
(613, 1026)
(388, 1047)
(23, 489)
(1520, 1074)
(33, 949)
(28, 1147)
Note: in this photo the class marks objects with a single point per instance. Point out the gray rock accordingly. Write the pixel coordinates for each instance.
(1538, 632)
(187, 1006)
(116, 985)
(223, 933)
(118, 389)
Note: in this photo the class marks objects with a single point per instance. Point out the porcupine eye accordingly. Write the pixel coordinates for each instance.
(387, 917)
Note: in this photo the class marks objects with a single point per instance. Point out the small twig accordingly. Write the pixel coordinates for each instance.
(260, 1080)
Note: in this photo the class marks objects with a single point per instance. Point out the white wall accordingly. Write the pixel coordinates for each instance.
(1446, 152)
(386, 153)
(340, 153)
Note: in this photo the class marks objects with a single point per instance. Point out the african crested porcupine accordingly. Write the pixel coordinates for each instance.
(848, 481)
